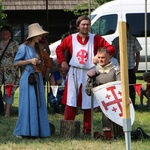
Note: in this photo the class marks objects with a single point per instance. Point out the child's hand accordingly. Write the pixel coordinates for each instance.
(95, 60)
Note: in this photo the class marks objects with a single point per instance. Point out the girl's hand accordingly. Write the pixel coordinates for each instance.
(34, 61)
(38, 62)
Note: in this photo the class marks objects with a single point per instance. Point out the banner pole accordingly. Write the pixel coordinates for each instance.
(125, 83)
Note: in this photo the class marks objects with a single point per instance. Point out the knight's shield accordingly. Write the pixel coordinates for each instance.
(109, 97)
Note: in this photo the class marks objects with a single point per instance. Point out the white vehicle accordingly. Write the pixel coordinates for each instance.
(53, 47)
(104, 21)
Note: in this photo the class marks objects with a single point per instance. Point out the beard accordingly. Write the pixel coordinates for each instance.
(84, 32)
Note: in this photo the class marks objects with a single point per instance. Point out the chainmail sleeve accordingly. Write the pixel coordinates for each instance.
(118, 78)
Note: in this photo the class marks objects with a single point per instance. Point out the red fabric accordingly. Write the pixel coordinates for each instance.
(70, 113)
(67, 45)
(148, 86)
(87, 121)
(138, 88)
(9, 89)
(64, 98)
(79, 100)
(47, 62)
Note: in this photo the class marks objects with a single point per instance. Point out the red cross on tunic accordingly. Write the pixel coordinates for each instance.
(82, 56)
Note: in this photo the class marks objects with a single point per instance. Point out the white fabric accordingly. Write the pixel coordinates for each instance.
(77, 75)
(54, 90)
(115, 62)
(82, 54)
(109, 97)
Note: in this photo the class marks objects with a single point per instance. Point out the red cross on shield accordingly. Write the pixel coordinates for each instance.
(109, 98)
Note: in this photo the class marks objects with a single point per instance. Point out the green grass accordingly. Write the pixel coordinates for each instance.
(56, 142)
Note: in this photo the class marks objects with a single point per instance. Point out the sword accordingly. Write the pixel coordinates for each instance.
(92, 74)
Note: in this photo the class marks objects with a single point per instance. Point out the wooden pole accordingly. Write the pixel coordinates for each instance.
(124, 69)
(89, 5)
(47, 19)
(125, 83)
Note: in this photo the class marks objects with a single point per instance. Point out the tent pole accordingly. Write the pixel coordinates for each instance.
(89, 4)
(146, 34)
(47, 17)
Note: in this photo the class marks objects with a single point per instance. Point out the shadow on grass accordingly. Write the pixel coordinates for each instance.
(142, 108)
(139, 77)
(14, 111)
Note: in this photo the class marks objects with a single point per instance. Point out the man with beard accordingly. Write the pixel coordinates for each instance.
(82, 46)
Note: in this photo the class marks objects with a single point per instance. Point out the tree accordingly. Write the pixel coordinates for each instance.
(82, 9)
(2, 15)
(100, 2)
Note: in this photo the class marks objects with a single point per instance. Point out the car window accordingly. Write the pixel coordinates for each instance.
(105, 25)
(92, 17)
(137, 24)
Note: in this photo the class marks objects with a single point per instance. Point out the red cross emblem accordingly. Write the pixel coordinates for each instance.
(115, 101)
(109, 97)
(82, 56)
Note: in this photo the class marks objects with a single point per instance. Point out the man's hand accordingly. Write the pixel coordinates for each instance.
(135, 69)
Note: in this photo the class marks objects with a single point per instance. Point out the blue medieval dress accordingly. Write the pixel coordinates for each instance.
(32, 119)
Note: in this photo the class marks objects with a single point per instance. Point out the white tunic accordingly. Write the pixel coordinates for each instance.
(80, 63)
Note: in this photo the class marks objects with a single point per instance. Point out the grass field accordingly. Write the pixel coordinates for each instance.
(56, 142)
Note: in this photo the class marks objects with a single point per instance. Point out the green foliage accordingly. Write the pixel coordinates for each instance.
(58, 142)
(82, 9)
(2, 15)
(100, 2)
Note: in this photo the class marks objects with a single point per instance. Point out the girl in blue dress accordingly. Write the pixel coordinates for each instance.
(33, 115)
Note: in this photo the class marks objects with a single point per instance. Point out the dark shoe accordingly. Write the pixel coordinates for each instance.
(135, 135)
(98, 135)
(57, 110)
(143, 134)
